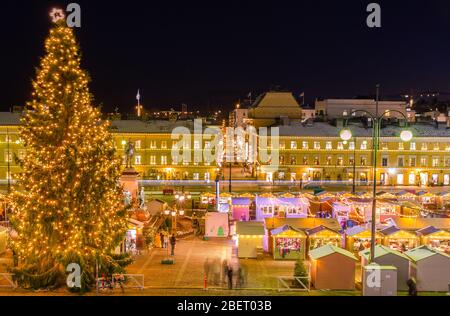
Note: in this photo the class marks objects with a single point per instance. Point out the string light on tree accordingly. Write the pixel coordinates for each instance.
(68, 207)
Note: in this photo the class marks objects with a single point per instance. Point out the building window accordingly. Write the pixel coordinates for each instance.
(305, 145)
(153, 144)
(282, 145)
(340, 146)
(435, 179)
(340, 161)
(412, 146)
(316, 145)
(195, 176)
(435, 162)
(196, 144)
(412, 179)
(207, 176)
(401, 146)
(446, 179)
(293, 144)
(293, 160)
(423, 161)
(163, 160)
(364, 145)
(328, 146)
(293, 177)
(384, 161)
(351, 161)
(175, 160)
(400, 179)
(137, 160)
(329, 161)
(412, 161)
(424, 146)
(174, 144)
(363, 161)
(164, 144)
(447, 161)
(8, 156)
(316, 161)
(351, 146)
(281, 160)
(281, 175)
(305, 160)
(137, 144)
(401, 161)
(384, 146)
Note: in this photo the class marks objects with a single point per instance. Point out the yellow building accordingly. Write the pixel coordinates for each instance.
(317, 153)
(153, 149)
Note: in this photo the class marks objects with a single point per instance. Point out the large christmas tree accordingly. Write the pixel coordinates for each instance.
(69, 206)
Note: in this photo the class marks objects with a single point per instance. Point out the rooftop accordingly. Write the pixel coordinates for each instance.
(423, 252)
(381, 251)
(329, 250)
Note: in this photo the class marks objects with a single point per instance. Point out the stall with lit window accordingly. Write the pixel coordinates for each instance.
(249, 239)
(241, 208)
(359, 238)
(268, 206)
(322, 235)
(287, 243)
(400, 240)
(435, 238)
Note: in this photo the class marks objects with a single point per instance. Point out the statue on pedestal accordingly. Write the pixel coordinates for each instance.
(129, 153)
(142, 198)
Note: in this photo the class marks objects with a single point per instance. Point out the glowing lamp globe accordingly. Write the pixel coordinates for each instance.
(182, 212)
(166, 212)
(174, 213)
(346, 134)
(406, 136)
(189, 197)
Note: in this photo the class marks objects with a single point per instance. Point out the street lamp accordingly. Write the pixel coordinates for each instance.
(405, 135)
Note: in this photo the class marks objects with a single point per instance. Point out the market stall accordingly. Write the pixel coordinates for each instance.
(361, 209)
(359, 238)
(406, 195)
(225, 203)
(385, 256)
(217, 225)
(241, 208)
(134, 240)
(268, 205)
(249, 238)
(341, 211)
(430, 268)
(435, 238)
(400, 240)
(321, 235)
(332, 268)
(288, 243)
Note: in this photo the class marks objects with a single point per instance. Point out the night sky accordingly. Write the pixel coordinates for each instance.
(209, 54)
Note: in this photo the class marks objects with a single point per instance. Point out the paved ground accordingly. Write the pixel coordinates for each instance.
(188, 270)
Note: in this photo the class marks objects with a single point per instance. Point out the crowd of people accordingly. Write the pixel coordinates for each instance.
(225, 273)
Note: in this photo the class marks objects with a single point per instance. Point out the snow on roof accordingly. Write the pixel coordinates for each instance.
(423, 252)
(381, 251)
(329, 250)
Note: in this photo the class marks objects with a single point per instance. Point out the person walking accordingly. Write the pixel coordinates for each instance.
(224, 271)
(173, 241)
(230, 277)
(161, 236)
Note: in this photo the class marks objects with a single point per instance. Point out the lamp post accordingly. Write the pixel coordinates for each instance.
(405, 136)
(180, 198)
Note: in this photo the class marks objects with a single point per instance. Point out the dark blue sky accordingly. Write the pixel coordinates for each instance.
(211, 53)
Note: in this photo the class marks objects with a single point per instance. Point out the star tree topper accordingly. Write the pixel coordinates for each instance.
(56, 15)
